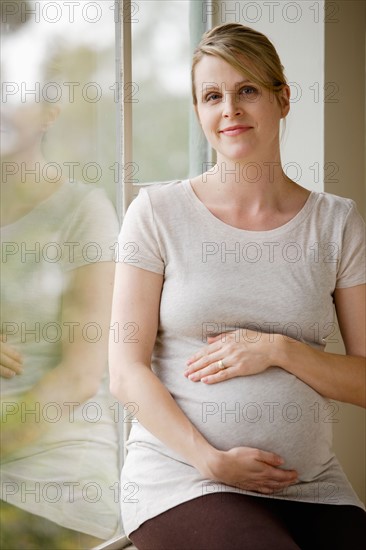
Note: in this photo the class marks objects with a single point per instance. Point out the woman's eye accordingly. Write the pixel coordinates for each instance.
(212, 97)
(249, 92)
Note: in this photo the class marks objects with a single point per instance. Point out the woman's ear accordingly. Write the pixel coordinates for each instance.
(284, 98)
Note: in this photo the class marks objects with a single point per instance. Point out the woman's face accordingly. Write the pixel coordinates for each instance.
(22, 128)
(239, 118)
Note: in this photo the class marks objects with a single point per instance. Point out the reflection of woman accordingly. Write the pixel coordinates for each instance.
(59, 441)
(233, 444)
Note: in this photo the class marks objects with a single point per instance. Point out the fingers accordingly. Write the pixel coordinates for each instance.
(209, 364)
(273, 480)
(249, 469)
(213, 364)
(268, 484)
(11, 362)
(265, 486)
(221, 375)
(276, 477)
(7, 373)
(272, 459)
(218, 338)
(200, 359)
(206, 362)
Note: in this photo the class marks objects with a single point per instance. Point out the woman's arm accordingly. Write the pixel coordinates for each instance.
(83, 362)
(136, 300)
(340, 377)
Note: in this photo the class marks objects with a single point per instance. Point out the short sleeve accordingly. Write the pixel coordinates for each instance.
(138, 242)
(352, 265)
(93, 230)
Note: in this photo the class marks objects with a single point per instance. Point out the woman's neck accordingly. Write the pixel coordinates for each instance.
(24, 184)
(253, 196)
(246, 182)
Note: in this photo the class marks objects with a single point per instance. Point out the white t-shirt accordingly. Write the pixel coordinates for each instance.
(219, 278)
(71, 474)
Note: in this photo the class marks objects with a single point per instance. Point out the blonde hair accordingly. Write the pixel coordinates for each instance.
(237, 45)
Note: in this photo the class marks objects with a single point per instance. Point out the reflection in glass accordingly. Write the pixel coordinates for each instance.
(59, 439)
(160, 93)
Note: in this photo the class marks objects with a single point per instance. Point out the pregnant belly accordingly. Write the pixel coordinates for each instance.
(273, 411)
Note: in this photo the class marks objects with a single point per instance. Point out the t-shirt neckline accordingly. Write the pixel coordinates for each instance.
(211, 218)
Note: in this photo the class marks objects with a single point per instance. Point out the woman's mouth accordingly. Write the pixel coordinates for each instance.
(235, 130)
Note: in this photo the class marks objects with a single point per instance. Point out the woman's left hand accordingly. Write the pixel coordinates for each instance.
(242, 352)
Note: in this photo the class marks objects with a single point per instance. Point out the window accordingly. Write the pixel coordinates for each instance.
(58, 154)
(163, 140)
(161, 79)
(95, 101)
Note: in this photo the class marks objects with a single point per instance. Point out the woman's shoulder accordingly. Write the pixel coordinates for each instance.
(336, 219)
(330, 206)
(164, 197)
(87, 212)
(163, 190)
(329, 199)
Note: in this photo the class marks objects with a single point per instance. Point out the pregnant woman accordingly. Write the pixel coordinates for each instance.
(230, 281)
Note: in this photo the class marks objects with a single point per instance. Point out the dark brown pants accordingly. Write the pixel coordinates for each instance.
(230, 521)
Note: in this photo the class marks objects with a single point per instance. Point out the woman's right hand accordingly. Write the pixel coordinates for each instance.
(250, 469)
(10, 361)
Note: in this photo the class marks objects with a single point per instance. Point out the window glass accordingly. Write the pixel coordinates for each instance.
(161, 75)
(60, 110)
(59, 424)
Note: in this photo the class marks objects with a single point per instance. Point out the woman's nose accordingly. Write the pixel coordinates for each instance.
(231, 105)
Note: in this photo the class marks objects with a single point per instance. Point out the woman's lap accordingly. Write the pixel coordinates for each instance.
(232, 521)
